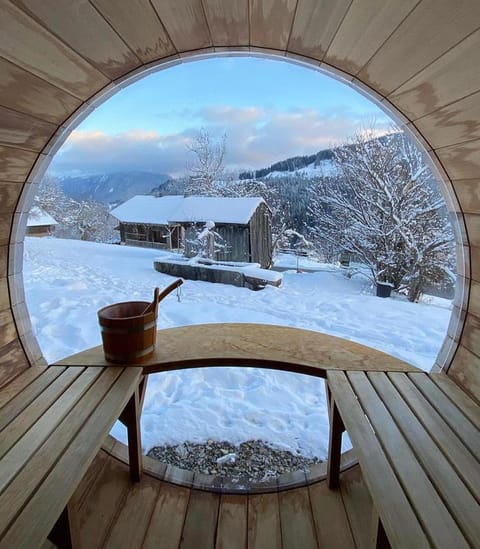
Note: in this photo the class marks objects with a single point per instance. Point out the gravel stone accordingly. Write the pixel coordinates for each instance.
(254, 460)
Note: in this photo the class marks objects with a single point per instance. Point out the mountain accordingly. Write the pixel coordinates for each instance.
(110, 189)
(319, 162)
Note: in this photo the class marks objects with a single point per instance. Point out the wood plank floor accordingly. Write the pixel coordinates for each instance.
(108, 511)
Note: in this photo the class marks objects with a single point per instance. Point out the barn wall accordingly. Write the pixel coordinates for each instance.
(237, 238)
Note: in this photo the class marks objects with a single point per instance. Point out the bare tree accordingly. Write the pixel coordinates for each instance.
(207, 166)
(385, 209)
(82, 220)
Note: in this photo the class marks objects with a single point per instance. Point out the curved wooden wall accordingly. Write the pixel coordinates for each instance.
(59, 58)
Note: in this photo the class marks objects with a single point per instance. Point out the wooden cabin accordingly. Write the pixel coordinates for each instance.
(244, 225)
(145, 221)
(40, 223)
(412, 477)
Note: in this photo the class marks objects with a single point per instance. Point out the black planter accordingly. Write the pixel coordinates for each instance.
(384, 289)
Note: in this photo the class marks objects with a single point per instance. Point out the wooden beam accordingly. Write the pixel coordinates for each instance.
(43, 54)
(147, 37)
(94, 39)
(315, 25)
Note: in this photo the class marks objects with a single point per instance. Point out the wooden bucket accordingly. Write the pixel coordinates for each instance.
(128, 332)
(129, 329)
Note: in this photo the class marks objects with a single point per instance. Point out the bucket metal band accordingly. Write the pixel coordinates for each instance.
(130, 330)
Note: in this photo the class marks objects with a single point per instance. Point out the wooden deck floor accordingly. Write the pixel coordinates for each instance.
(108, 511)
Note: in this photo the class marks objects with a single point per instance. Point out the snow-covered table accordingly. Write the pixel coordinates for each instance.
(258, 345)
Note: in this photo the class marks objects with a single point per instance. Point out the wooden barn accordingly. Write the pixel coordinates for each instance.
(40, 223)
(144, 221)
(171, 222)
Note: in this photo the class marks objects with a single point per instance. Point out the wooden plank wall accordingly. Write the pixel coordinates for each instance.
(419, 56)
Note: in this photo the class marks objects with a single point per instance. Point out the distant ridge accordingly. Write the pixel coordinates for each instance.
(110, 189)
(290, 164)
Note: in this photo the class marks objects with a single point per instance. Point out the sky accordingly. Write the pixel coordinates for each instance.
(268, 109)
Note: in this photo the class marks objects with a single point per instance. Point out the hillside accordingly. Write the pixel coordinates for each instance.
(110, 189)
(306, 163)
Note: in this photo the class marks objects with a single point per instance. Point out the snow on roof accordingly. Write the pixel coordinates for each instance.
(39, 218)
(178, 209)
(147, 209)
(217, 209)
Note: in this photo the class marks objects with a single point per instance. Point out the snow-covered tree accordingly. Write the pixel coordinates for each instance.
(385, 209)
(206, 242)
(207, 166)
(82, 220)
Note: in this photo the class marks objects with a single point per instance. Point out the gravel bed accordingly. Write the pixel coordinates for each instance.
(253, 459)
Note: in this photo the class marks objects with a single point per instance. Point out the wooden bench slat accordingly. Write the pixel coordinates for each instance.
(331, 522)
(18, 384)
(106, 493)
(32, 525)
(298, 529)
(428, 505)
(200, 520)
(168, 517)
(358, 505)
(462, 426)
(462, 460)
(264, 522)
(29, 394)
(132, 520)
(459, 500)
(27, 418)
(465, 402)
(26, 482)
(232, 523)
(393, 506)
(43, 427)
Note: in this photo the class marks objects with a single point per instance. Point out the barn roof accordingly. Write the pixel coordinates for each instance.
(39, 218)
(179, 209)
(147, 209)
(217, 209)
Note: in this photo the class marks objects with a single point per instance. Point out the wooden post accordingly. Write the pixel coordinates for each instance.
(328, 397)
(335, 446)
(130, 417)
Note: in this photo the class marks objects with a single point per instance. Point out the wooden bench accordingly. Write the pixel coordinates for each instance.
(417, 440)
(52, 424)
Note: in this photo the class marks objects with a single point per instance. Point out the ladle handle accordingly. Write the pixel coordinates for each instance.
(158, 297)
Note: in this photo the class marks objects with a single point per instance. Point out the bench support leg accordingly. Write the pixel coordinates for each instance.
(379, 537)
(334, 447)
(130, 417)
(60, 534)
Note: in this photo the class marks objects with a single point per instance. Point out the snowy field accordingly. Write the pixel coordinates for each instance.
(67, 281)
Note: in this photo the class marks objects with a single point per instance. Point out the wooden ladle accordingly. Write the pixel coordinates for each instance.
(159, 295)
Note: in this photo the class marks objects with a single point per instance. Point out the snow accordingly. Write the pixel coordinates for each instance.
(324, 168)
(249, 269)
(39, 218)
(66, 282)
(147, 209)
(218, 209)
(190, 209)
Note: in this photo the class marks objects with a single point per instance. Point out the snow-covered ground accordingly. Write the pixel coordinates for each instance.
(67, 281)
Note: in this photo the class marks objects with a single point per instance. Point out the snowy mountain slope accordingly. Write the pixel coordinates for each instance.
(110, 189)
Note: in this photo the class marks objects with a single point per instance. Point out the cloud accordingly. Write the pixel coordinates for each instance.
(256, 138)
(138, 150)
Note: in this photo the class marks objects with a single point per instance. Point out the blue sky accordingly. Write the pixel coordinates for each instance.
(269, 110)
